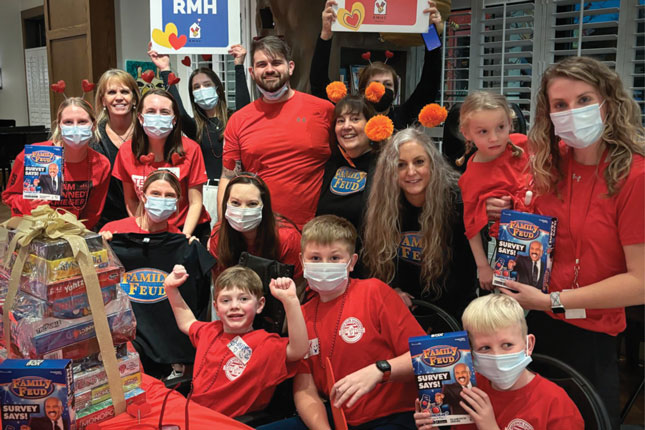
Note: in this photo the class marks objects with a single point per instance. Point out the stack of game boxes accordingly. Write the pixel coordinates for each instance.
(51, 319)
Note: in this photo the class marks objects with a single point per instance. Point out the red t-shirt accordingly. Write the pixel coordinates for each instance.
(504, 176)
(287, 145)
(605, 228)
(289, 238)
(540, 405)
(189, 169)
(373, 324)
(85, 186)
(221, 380)
(129, 225)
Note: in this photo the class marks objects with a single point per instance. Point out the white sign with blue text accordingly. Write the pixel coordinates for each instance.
(194, 26)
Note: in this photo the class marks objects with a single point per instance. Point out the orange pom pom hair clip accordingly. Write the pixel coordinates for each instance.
(336, 91)
(374, 92)
(379, 128)
(432, 115)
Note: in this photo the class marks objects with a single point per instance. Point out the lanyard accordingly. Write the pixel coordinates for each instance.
(578, 240)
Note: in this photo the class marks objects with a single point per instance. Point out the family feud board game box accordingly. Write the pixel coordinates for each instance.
(443, 367)
(525, 249)
(36, 394)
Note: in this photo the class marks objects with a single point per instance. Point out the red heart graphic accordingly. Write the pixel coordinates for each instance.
(87, 86)
(177, 159)
(207, 57)
(148, 76)
(177, 42)
(147, 159)
(353, 20)
(389, 54)
(186, 61)
(172, 79)
(366, 55)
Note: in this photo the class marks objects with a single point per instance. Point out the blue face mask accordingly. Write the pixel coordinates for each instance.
(160, 208)
(206, 97)
(76, 135)
(158, 126)
(274, 95)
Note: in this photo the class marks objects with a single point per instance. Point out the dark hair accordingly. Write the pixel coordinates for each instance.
(376, 68)
(140, 145)
(356, 104)
(231, 242)
(222, 110)
(273, 46)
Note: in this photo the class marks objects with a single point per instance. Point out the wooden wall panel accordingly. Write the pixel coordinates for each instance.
(81, 43)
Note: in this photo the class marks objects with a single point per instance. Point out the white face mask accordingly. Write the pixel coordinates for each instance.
(326, 277)
(579, 128)
(502, 370)
(206, 98)
(274, 95)
(158, 126)
(76, 135)
(160, 208)
(243, 219)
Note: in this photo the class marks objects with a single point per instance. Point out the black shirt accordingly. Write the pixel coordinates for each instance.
(403, 115)
(212, 140)
(458, 281)
(147, 259)
(114, 208)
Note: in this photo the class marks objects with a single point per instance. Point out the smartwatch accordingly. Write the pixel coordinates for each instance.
(556, 305)
(384, 367)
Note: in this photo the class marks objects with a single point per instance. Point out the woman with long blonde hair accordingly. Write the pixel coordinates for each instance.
(592, 178)
(413, 231)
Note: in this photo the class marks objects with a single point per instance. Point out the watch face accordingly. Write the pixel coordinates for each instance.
(558, 310)
(383, 366)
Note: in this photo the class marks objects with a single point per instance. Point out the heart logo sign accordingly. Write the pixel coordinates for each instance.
(162, 37)
(177, 42)
(353, 19)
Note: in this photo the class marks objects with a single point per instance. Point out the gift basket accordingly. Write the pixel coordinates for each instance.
(60, 299)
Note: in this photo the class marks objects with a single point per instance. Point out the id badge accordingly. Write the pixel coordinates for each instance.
(240, 349)
(575, 314)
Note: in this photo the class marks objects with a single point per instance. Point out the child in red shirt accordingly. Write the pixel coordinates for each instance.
(237, 368)
(362, 327)
(513, 397)
(498, 168)
(85, 177)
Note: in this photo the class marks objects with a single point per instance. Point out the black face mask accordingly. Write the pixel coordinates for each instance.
(385, 102)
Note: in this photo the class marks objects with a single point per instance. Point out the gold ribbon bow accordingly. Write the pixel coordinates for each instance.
(45, 222)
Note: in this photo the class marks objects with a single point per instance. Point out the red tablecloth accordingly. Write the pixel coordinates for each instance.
(199, 416)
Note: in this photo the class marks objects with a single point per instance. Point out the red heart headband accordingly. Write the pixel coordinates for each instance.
(59, 87)
(368, 55)
(149, 75)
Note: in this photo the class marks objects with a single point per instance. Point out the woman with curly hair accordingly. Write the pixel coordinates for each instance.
(414, 233)
(592, 178)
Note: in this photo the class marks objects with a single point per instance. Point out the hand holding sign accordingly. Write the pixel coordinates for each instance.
(328, 18)
(402, 16)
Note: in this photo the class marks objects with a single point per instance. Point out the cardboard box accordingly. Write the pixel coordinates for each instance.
(443, 366)
(35, 392)
(525, 249)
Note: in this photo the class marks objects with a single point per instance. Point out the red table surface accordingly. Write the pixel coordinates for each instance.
(199, 416)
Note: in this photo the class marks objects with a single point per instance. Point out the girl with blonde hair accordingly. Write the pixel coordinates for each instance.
(413, 230)
(592, 178)
(83, 181)
(499, 167)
